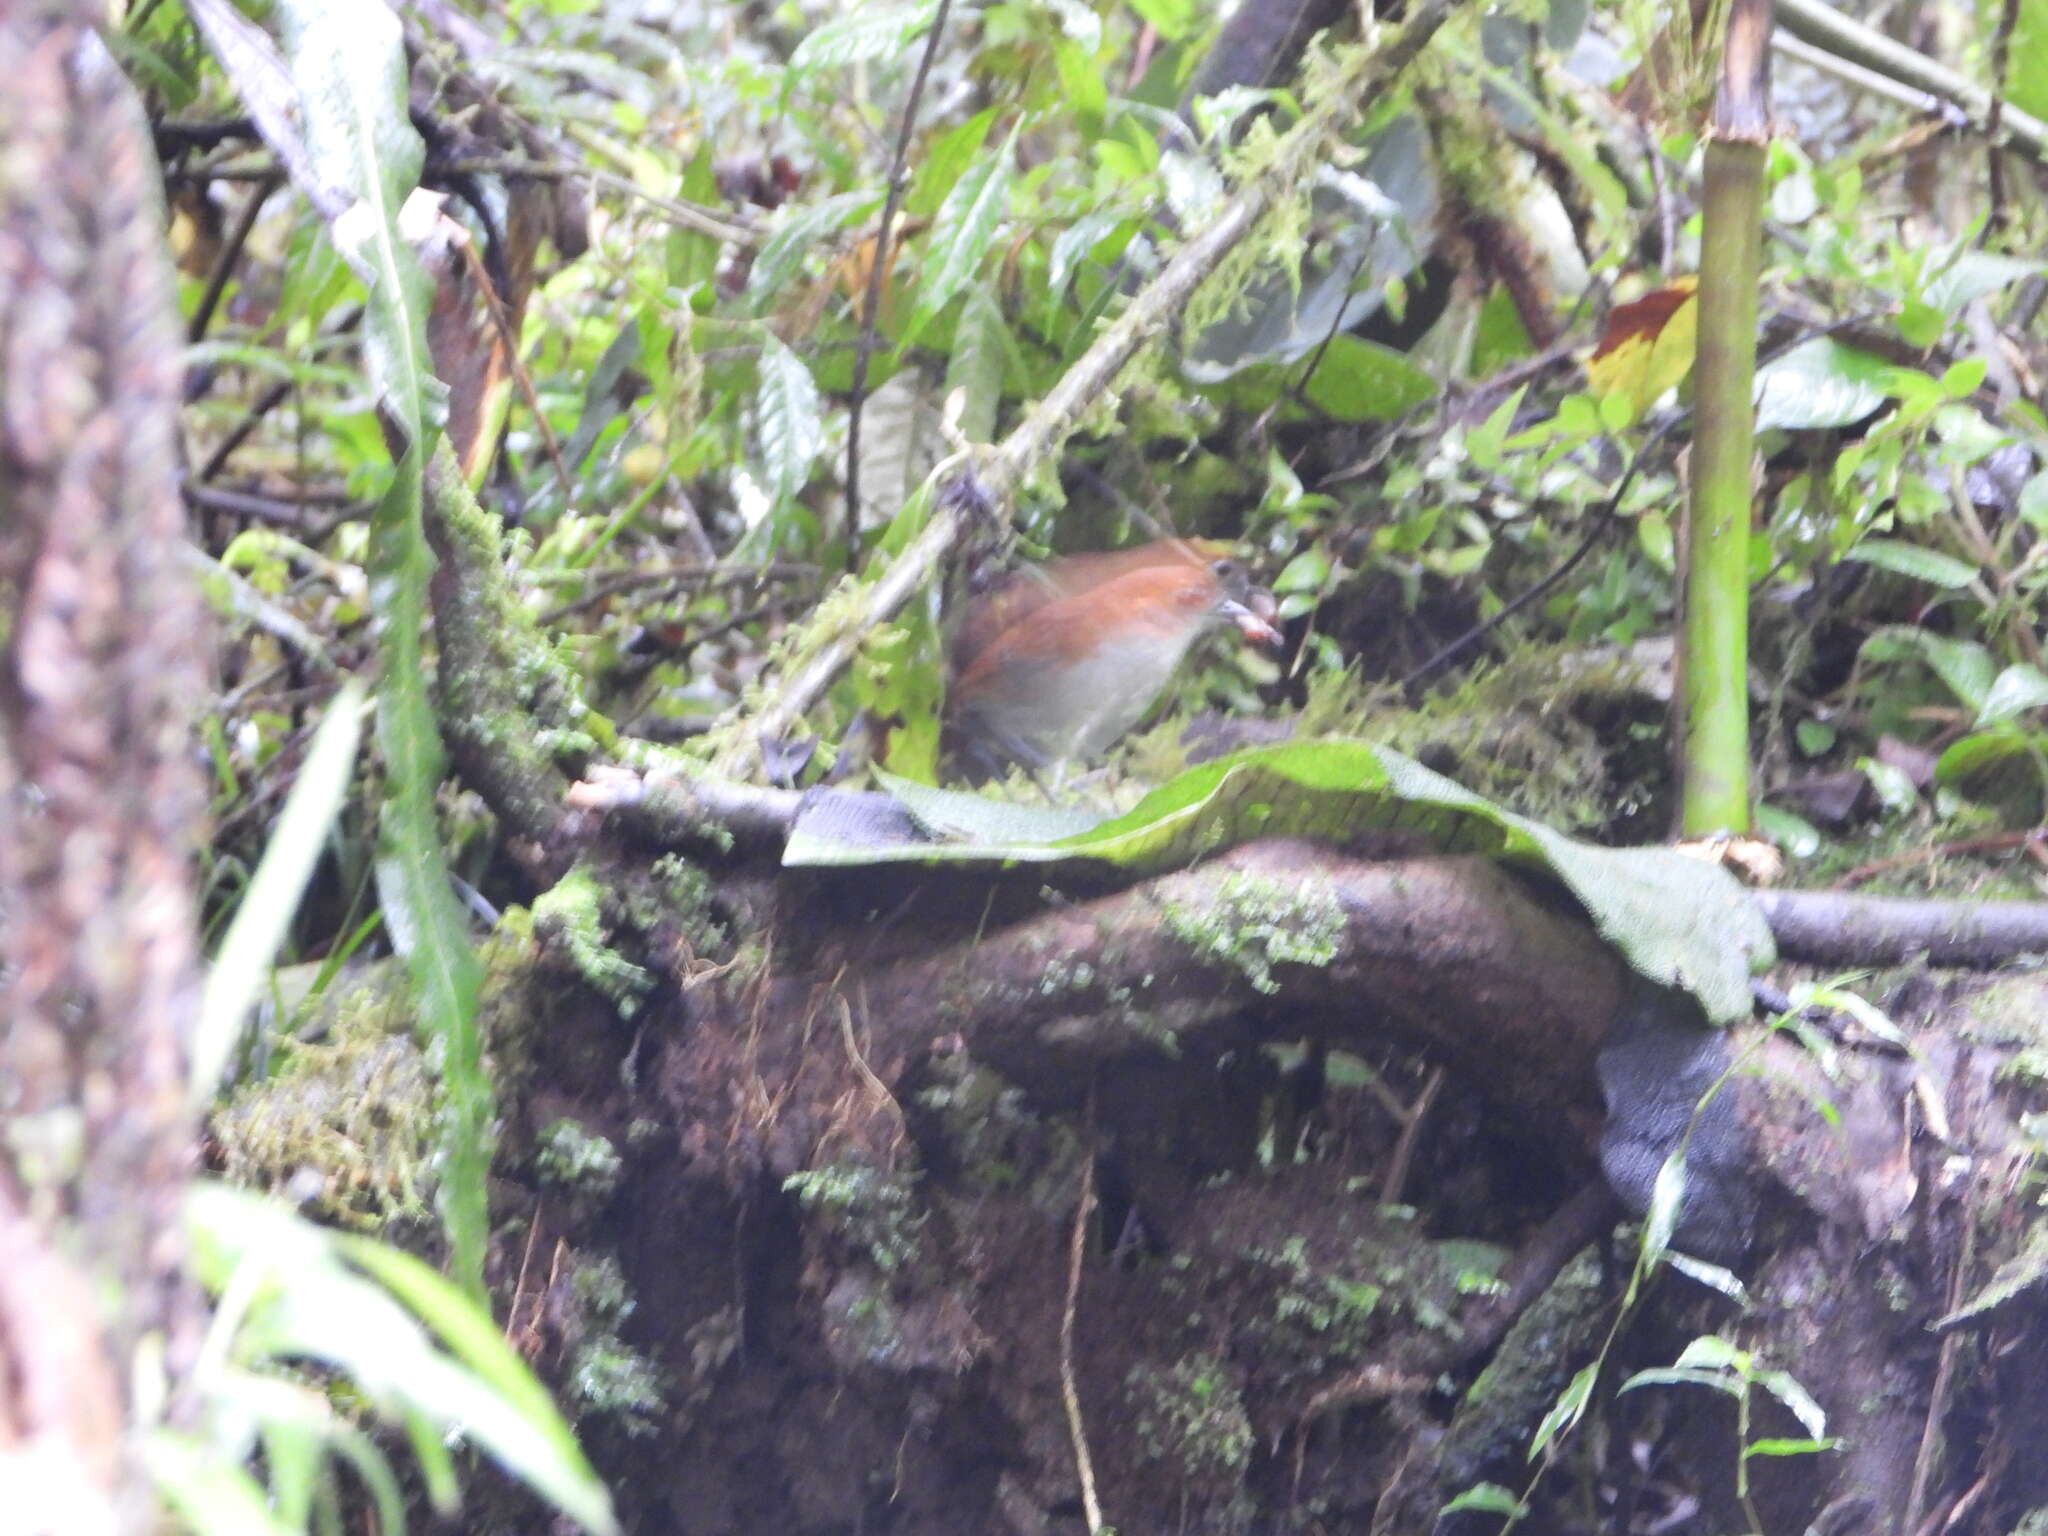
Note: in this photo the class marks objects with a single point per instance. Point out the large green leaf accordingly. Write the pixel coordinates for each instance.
(965, 228)
(790, 418)
(981, 355)
(1914, 560)
(239, 970)
(2024, 76)
(413, 1345)
(348, 67)
(1677, 920)
(1819, 383)
(871, 32)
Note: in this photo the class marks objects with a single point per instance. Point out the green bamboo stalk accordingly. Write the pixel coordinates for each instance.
(1713, 747)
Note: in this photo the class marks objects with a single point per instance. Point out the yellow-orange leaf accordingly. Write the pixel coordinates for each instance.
(1646, 346)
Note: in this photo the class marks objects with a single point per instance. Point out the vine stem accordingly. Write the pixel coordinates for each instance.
(871, 302)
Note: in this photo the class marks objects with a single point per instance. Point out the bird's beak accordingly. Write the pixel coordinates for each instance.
(1254, 619)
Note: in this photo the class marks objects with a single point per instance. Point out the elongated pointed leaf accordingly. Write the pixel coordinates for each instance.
(267, 908)
(349, 68)
(965, 228)
(791, 419)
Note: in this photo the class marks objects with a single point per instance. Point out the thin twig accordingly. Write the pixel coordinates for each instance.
(1828, 29)
(266, 402)
(2001, 55)
(230, 254)
(1991, 842)
(1604, 521)
(1413, 1118)
(1084, 1466)
(508, 336)
(871, 303)
(689, 215)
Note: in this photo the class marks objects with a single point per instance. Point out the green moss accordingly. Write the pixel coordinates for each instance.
(2011, 1011)
(874, 1211)
(1192, 1415)
(689, 898)
(572, 913)
(608, 1377)
(995, 1138)
(1257, 922)
(346, 1120)
(540, 674)
(573, 1159)
(603, 1299)
(1563, 735)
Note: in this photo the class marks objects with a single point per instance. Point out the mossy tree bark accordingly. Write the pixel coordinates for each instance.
(100, 797)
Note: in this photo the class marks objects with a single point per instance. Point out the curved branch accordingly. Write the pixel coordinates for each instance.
(1824, 27)
(1829, 928)
(1454, 954)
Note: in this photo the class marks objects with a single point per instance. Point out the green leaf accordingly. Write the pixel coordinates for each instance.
(1673, 1376)
(947, 158)
(1981, 751)
(1895, 789)
(1305, 573)
(1778, 1446)
(1676, 920)
(869, 33)
(299, 1295)
(1960, 380)
(1709, 1351)
(1815, 736)
(777, 261)
(1787, 1390)
(349, 68)
(2025, 81)
(1172, 19)
(1919, 324)
(1713, 1276)
(790, 419)
(1079, 240)
(1667, 1201)
(965, 228)
(2023, 1272)
(1915, 560)
(208, 1488)
(980, 358)
(1487, 1499)
(2033, 506)
(1483, 443)
(1360, 380)
(265, 912)
(2018, 688)
(1081, 81)
(1966, 667)
(1820, 383)
(1795, 834)
(1974, 274)
(1569, 1408)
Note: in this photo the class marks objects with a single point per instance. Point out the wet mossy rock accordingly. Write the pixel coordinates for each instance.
(1678, 921)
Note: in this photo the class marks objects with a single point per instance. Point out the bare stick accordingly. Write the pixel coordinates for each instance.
(1083, 1465)
(871, 304)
